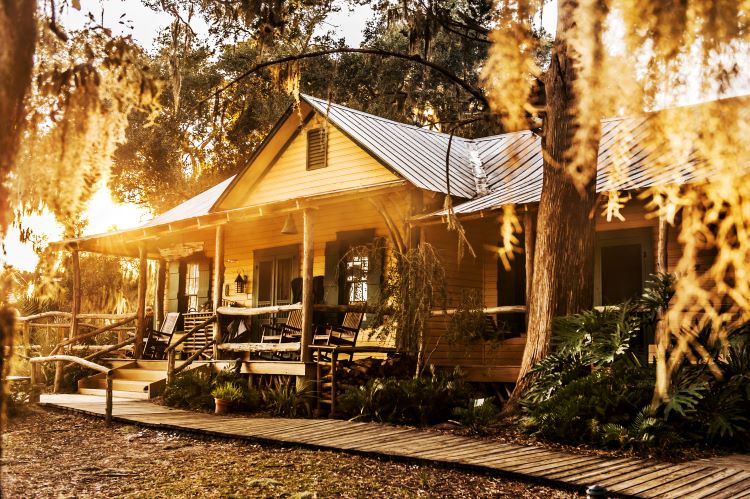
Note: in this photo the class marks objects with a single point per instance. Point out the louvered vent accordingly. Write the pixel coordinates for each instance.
(317, 148)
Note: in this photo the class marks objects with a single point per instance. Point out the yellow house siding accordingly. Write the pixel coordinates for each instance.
(242, 239)
(349, 167)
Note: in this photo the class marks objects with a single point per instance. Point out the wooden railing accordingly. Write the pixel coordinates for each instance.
(171, 349)
(66, 334)
(59, 360)
(505, 309)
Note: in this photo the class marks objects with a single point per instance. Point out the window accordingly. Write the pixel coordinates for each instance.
(317, 148)
(275, 269)
(357, 267)
(624, 259)
(192, 277)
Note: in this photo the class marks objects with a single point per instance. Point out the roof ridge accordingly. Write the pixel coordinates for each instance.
(381, 118)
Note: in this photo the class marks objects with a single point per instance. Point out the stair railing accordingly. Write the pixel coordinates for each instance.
(171, 352)
(59, 360)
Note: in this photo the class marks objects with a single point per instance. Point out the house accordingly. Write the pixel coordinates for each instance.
(328, 179)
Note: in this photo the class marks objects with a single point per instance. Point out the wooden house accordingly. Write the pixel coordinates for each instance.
(329, 178)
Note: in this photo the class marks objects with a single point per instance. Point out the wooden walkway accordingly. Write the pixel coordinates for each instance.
(626, 477)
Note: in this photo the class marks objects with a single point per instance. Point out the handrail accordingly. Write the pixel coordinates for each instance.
(190, 333)
(505, 309)
(92, 333)
(245, 311)
(59, 360)
(68, 314)
(190, 359)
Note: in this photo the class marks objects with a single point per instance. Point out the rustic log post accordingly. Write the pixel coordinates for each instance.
(26, 337)
(35, 378)
(76, 305)
(529, 236)
(662, 265)
(307, 289)
(165, 303)
(170, 366)
(140, 325)
(108, 401)
(217, 284)
(161, 279)
(58, 376)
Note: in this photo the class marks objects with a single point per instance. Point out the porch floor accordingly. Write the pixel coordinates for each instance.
(626, 477)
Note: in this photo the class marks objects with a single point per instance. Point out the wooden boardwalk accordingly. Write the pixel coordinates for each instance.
(626, 477)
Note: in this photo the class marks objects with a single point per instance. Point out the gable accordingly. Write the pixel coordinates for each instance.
(287, 177)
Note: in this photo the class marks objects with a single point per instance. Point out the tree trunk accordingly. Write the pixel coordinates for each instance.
(18, 35)
(562, 281)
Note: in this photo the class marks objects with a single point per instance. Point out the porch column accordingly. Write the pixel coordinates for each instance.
(75, 308)
(140, 320)
(165, 298)
(161, 280)
(529, 241)
(307, 288)
(218, 284)
(662, 266)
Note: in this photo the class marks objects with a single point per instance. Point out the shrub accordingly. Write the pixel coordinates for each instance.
(478, 416)
(423, 400)
(190, 389)
(283, 399)
(593, 389)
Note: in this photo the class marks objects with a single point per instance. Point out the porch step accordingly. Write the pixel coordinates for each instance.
(115, 393)
(138, 374)
(134, 379)
(124, 385)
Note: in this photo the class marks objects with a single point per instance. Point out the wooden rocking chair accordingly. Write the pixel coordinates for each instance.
(343, 335)
(157, 341)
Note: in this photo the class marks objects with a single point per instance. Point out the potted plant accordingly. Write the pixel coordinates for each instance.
(225, 395)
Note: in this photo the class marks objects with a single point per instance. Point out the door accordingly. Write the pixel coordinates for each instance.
(624, 260)
(275, 269)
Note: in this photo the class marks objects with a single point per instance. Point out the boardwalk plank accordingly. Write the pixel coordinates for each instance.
(685, 490)
(676, 484)
(732, 490)
(655, 479)
(719, 488)
(557, 464)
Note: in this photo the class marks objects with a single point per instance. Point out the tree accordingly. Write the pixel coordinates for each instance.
(653, 51)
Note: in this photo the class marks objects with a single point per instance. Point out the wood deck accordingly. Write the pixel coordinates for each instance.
(625, 477)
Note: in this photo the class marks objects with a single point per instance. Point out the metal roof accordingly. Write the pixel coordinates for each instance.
(415, 153)
(193, 207)
(513, 163)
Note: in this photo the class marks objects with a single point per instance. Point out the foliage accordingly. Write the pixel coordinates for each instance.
(190, 389)
(469, 322)
(227, 391)
(283, 399)
(421, 400)
(592, 388)
(478, 416)
(17, 399)
(414, 285)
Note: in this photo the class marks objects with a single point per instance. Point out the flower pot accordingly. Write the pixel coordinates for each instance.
(222, 406)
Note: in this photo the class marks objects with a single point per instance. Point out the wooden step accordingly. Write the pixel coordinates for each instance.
(156, 365)
(115, 393)
(124, 385)
(139, 374)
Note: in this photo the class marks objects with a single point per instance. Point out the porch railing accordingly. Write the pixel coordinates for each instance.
(171, 349)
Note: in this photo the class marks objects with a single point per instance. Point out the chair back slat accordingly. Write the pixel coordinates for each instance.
(352, 320)
(169, 323)
(295, 319)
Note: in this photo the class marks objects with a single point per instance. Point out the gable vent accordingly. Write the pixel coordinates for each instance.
(317, 148)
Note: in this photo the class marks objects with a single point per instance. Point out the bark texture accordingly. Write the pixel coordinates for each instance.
(562, 281)
(17, 43)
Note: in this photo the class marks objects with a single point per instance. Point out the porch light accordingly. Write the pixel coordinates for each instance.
(240, 283)
(289, 226)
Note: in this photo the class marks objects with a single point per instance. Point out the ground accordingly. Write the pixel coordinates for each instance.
(58, 454)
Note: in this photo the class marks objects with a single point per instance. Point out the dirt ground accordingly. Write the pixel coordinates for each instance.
(55, 454)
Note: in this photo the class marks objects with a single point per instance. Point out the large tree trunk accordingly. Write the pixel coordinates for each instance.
(17, 44)
(562, 281)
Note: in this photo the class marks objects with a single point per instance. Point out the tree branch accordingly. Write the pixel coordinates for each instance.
(474, 92)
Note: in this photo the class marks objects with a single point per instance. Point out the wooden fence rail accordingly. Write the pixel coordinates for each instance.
(59, 360)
